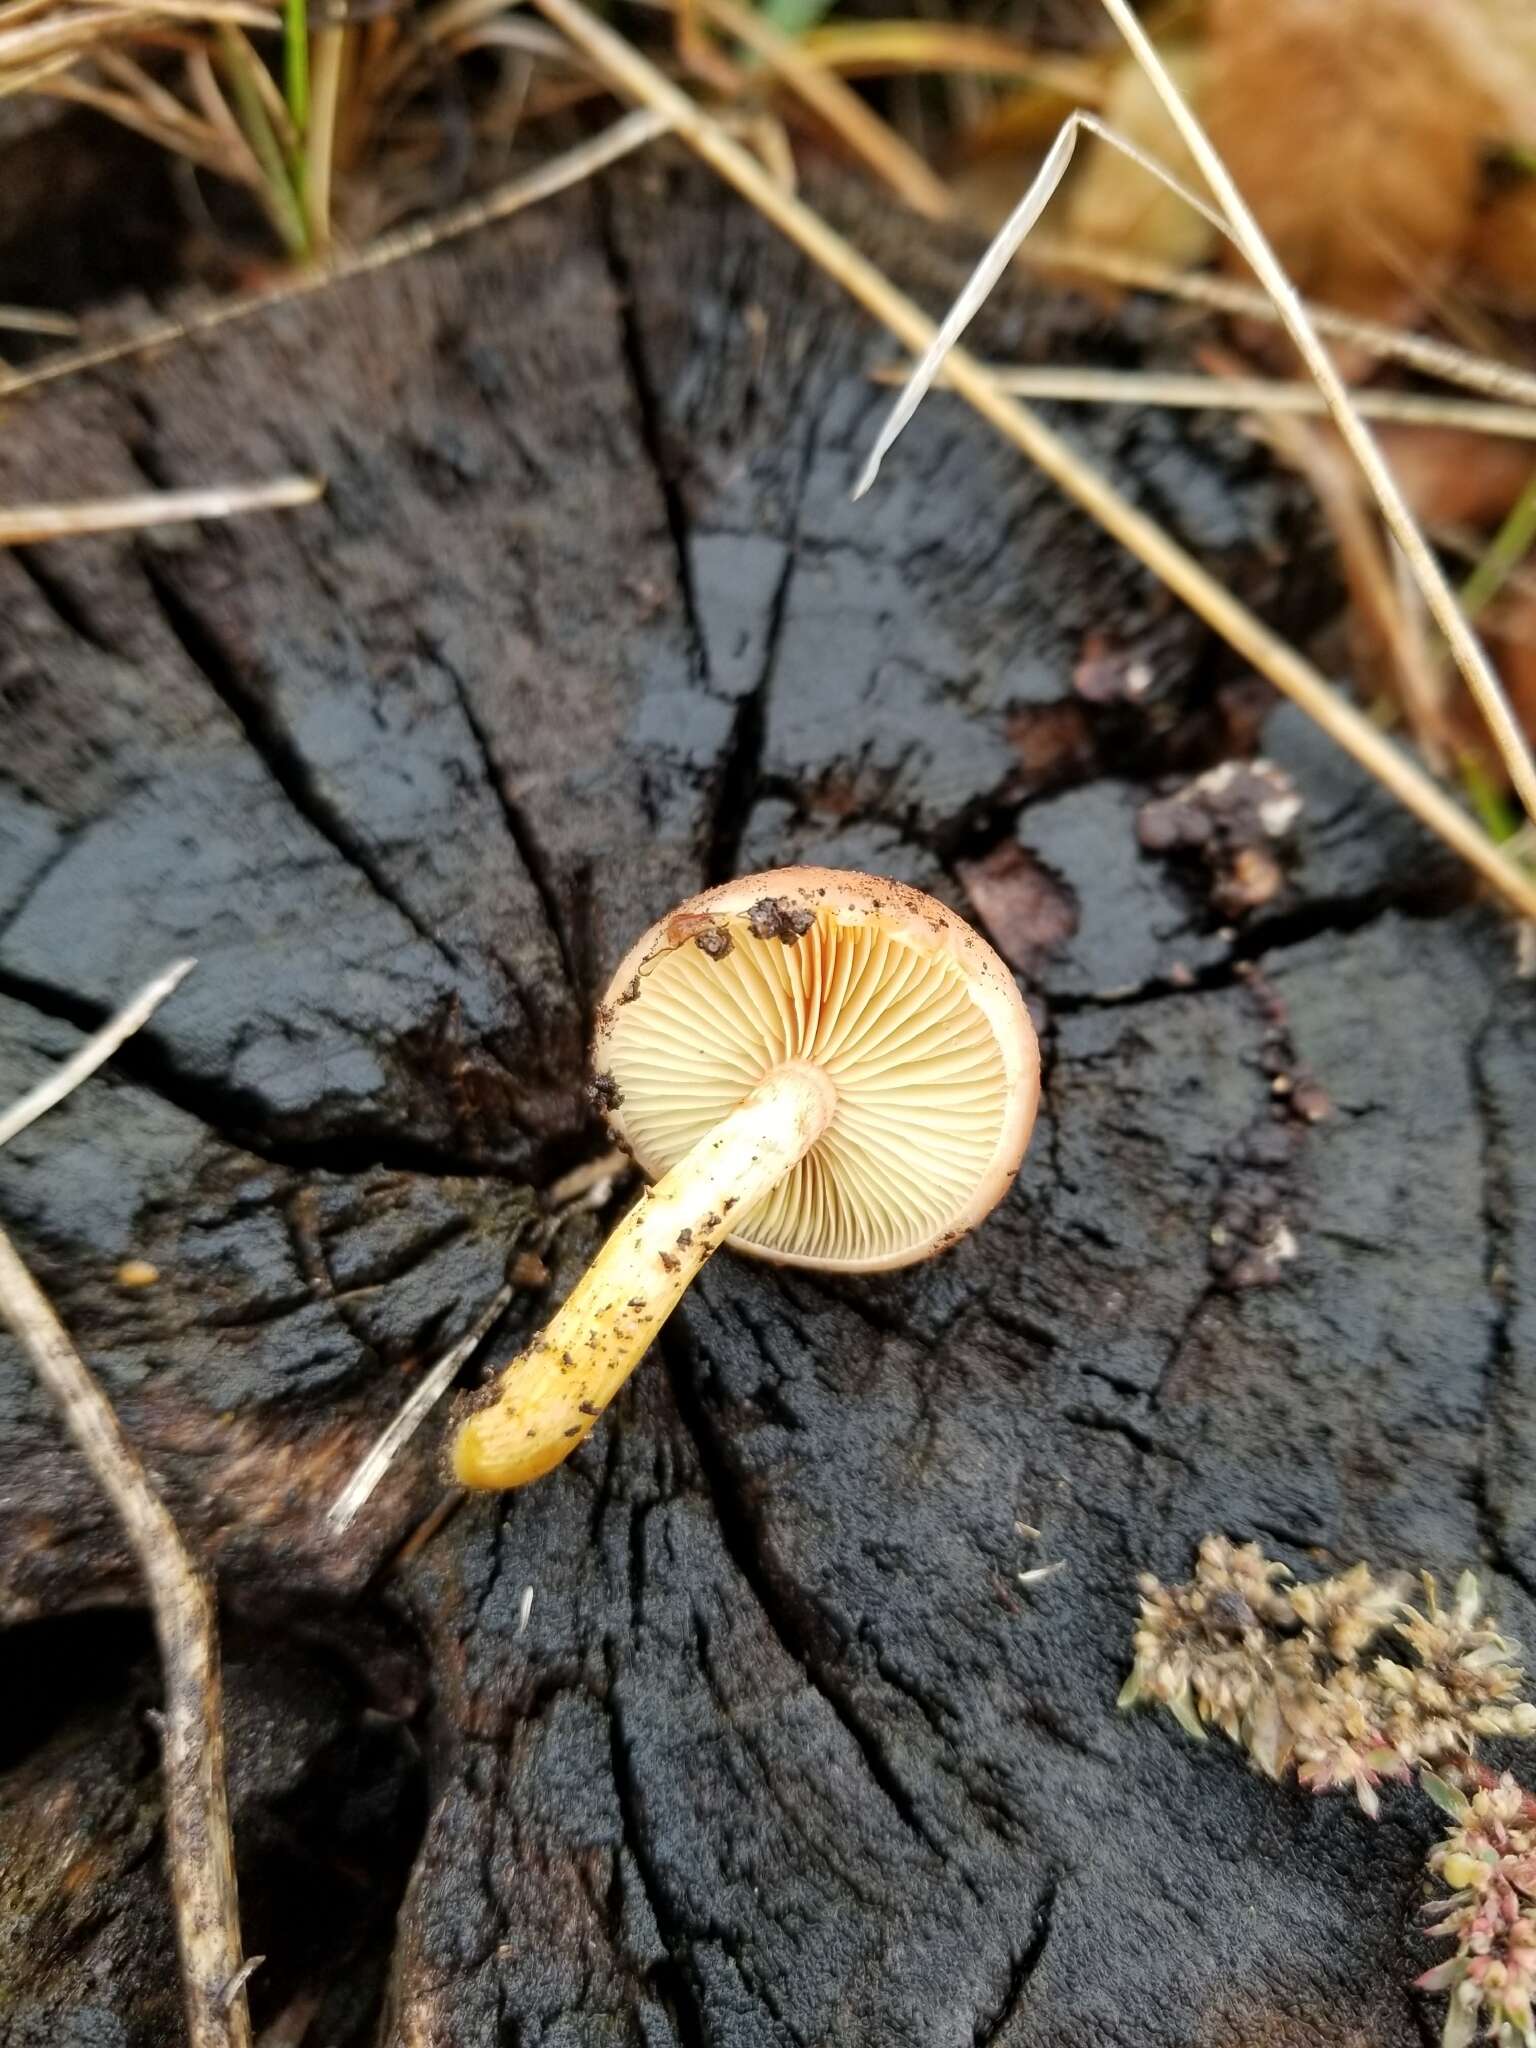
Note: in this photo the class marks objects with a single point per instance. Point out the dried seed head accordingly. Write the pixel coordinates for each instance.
(1280, 1670)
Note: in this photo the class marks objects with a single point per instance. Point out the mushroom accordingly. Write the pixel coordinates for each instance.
(825, 1070)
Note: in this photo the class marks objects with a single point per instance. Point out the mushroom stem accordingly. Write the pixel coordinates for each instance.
(548, 1399)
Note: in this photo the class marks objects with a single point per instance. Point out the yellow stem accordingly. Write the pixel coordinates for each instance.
(548, 1399)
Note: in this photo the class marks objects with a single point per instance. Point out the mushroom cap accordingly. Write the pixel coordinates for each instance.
(913, 1016)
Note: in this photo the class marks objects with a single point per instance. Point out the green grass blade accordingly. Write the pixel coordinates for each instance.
(1505, 552)
(296, 62)
(277, 192)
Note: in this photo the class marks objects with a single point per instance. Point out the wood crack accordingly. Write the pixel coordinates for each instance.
(991, 2028)
(525, 841)
(740, 1538)
(671, 1978)
(274, 748)
(1498, 1376)
(651, 419)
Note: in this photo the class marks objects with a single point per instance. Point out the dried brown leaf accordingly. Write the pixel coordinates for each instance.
(1453, 478)
(1356, 131)
(1025, 909)
(1116, 204)
(1501, 257)
(1512, 636)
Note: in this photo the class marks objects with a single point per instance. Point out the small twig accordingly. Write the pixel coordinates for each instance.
(196, 1798)
(1447, 613)
(433, 1384)
(630, 133)
(201, 1851)
(21, 525)
(1225, 295)
(1198, 393)
(594, 1178)
(96, 1050)
(430, 1525)
(636, 76)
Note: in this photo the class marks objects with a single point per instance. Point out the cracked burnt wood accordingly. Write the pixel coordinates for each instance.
(782, 1753)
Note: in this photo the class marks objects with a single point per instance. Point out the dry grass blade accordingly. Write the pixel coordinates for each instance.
(181, 138)
(72, 29)
(1000, 252)
(631, 132)
(1197, 393)
(1140, 273)
(14, 11)
(32, 320)
(28, 77)
(196, 1799)
(1438, 595)
(424, 1397)
(96, 1050)
(639, 79)
(1378, 604)
(325, 102)
(25, 525)
(872, 139)
(121, 69)
(239, 13)
(875, 49)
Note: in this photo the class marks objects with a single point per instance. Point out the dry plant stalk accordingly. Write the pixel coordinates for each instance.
(1377, 602)
(882, 149)
(391, 1441)
(1447, 613)
(1236, 222)
(200, 1846)
(637, 78)
(35, 320)
(1440, 359)
(624, 136)
(94, 1053)
(26, 525)
(1197, 392)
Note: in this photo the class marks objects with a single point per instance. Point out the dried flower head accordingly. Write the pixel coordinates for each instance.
(1202, 1648)
(1282, 1671)
(1465, 1679)
(1488, 1857)
(1347, 1613)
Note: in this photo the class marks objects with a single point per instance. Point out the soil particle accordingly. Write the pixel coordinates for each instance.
(605, 1092)
(1236, 819)
(1252, 1230)
(776, 917)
